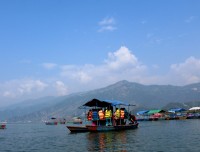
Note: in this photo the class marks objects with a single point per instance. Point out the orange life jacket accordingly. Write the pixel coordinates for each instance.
(122, 113)
(101, 114)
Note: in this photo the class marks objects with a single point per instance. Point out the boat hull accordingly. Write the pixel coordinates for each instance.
(51, 123)
(2, 126)
(92, 128)
(75, 129)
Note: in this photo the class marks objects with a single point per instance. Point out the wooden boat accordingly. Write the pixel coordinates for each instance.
(182, 117)
(77, 125)
(100, 125)
(111, 128)
(77, 128)
(51, 123)
(55, 121)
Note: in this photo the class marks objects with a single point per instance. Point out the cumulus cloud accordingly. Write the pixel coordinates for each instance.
(28, 85)
(121, 64)
(61, 88)
(186, 72)
(49, 66)
(17, 88)
(78, 73)
(122, 58)
(107, 24)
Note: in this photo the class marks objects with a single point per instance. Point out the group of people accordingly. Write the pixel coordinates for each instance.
(118, 116)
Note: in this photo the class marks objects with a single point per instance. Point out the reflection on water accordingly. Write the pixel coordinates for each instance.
(107, 141)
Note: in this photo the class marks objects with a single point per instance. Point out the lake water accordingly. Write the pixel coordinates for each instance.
(156, 136)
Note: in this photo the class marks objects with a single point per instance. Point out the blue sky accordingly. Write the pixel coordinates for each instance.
(60, 47)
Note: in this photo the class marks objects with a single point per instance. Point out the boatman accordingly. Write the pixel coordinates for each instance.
(108, 116)
(117, 116)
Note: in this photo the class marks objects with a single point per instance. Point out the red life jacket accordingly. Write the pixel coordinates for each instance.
(89, 117)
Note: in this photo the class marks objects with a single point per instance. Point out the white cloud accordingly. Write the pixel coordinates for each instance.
(107, 21)
(28, 85)
(78, 73)
(122, 58)
(186, 72)
(107, 24)
(8, 94)
(107, 28)
(49, 66)
(17, 88)
(61, 88)
(121, 64)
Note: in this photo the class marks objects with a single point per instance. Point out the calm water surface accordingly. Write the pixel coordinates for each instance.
(158, 136)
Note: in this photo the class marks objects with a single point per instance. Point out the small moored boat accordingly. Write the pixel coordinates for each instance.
(52, 121)
(77, 125)
(2, 125)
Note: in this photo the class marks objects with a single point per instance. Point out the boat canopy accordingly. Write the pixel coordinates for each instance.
(142, 112)
(104, 103)
(155, 111)
(195, 108)
(176, 110)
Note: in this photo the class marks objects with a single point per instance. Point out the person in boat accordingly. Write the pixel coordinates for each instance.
(132, 119)
(117, 116)
(108, 116)
(122, 116)
(101, 114)
(95, 116)
(101, 117)
(89, 115)
(126, 116)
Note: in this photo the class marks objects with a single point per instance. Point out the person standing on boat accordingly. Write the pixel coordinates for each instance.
(89, 116)
(117, 116)
(101, 117)
(122, 115)
(132, 119)
(101, 114)
(108, 116)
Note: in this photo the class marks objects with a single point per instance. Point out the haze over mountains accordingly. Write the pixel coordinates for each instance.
(143, 96)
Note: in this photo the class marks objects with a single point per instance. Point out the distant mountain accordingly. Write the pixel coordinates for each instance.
(143, 96)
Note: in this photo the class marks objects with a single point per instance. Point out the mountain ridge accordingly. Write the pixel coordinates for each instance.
(143, 96)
